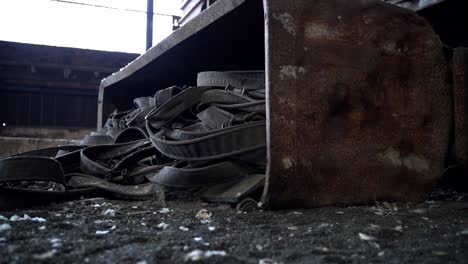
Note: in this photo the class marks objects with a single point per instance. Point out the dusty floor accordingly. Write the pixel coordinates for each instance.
(435, 231)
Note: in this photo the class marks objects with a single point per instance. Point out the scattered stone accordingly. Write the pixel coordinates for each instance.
(165, 211)
(4, 227)
(399, 228)
(374, 245)
(25, 217)
(297, 213)
(2, 239)
(109, 212)
(374, 227)
(205, 221)
(419, 211)
(339, 212)
(163, 226)
(142, 262)
(42, 228)
(197, 239)
(259, 247)
(183, 228)
(292, 228)
(2, 218)
(102, 232)
(464, 232)
(381, 254)
(366, 237)
(322, 249)
(211, 228)
(323, 225)
(203, 214)
(197, 254)
(439, 253)
(56, 242)
(267, 261)
(45, 255)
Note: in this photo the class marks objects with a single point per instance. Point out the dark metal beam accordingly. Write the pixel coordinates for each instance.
(149, 25)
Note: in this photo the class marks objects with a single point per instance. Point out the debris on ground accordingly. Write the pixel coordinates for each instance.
(109, 212)
(322, 235)
(26, 217)
(183, 228)
(197, 254)
(366, 237)
(4, 227)
(162, 226)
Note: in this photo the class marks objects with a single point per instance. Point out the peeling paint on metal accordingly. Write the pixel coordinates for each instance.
(287, 163)
(410, 162)
(390, 156)
(291, 71)
(321, 31)
(415, 163)
(287, 21)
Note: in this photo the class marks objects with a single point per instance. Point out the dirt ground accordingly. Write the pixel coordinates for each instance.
(99, 230)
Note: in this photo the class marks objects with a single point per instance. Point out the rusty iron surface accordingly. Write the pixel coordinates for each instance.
(358, 103)
(460, 101)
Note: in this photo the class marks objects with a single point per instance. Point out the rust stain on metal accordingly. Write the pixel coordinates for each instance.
(460, 91)
(363, 113)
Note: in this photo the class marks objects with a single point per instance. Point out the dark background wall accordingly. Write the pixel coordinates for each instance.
(45, 86)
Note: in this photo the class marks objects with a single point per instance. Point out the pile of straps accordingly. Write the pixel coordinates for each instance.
(210, 138)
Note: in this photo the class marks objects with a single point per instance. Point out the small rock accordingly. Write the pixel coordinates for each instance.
(197, 239)
(14, 218)
(259, 247)
(25, 217)
(322, 249)
(183, 228)
(42, 228)
(45, 255)
(399, 228)
(197, 254)
(56, 242)
(374, 245)
(419, 211)
(366, 237)
(464, 232)
(439, 253)
(381, 254)
(142, 262)
(4, 227)
(203, 214)
(292, 227)
(164, 211)
(323, 225)
(163, 226)
(211, 228)
(2, 239)
(339, 212)
(102, 232)
(109, 212)
(2, 218)
(267, 261)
